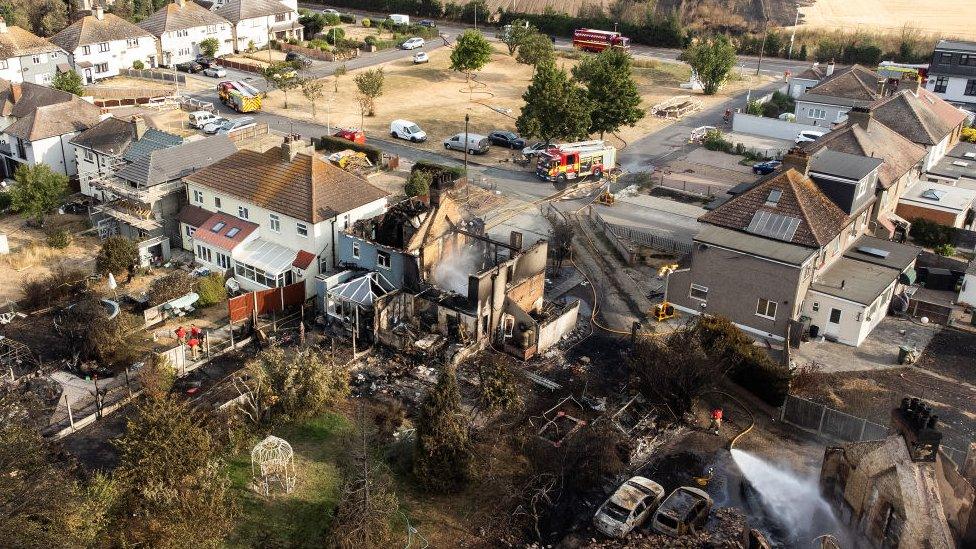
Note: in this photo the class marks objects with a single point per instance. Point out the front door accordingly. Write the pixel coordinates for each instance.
(88, 76)
(833, 324)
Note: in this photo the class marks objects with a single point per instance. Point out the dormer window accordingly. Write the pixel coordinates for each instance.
(773, 199)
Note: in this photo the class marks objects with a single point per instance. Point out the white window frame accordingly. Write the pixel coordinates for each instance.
(3, 64)
(132, 42)
(355, 250)
(104, 47)
(86, 50)
(764, 307)
(242, 212)
(301, 229)
(274, 223)
(198, 196)
(817, 113)
(698, 288)
(101, 68)
(383, 260)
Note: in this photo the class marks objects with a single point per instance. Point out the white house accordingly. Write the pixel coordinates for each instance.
(967, 292)
(254, 22)
(828, 102)
(180, 28)
(923, 118)
(952, 72)
(43, 135)
(101, 44)
(275, 216)
(24, 56)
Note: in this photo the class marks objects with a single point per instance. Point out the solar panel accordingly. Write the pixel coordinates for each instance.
(772, 225)
(876, 252)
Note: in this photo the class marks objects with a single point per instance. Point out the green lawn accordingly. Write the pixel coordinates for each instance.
(301, 518)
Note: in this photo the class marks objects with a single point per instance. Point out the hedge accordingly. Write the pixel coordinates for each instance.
(751, 367)
(931, 234)
(654, 31)
(335, 144)
(435, 169)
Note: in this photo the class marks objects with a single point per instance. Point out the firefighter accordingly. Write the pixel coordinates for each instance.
(194, 343)
(195, 332)
(180, 334)
(716, 423)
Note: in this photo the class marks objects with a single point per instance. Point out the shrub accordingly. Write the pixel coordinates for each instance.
(335, 144)
(754, 107)
(968, 135)
(347, 18)
(714, 141)
(435, 169)
(366, 22)
(749, 366)
(930, 234)
(945, 250)
(59, 238)
(418, 184)
(212, 290)
(116, 255)
(169, 287)
(138, 65)
(5, 200)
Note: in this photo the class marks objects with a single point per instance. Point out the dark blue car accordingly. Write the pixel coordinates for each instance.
(767, 167)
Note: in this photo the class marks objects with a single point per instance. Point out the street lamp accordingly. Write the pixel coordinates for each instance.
(762, 48)
(466, 119)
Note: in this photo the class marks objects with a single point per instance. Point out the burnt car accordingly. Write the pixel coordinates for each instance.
(683, 512)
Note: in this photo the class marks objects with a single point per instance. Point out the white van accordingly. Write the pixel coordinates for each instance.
(405, 129)
(199, 119)
(476, 143)
(400, 19)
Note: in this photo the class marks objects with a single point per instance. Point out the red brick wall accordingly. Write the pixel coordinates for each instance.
(910, 212)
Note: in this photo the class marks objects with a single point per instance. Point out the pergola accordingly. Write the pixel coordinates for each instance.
(273, 462)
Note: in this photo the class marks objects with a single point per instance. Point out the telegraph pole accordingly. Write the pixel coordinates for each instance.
(796, 21)
(466, 118)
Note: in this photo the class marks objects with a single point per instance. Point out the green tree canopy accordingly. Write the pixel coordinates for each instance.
(209, 46)
(471, 52)
(117, 254)
(713, 58)
(555, 107)
(535, 48)
(418, 184)
(37, 191)
(515, 35)
(370, 86)
(294, 384)
(611, 90)
(442, 454)
(283, 76)
(69, 82)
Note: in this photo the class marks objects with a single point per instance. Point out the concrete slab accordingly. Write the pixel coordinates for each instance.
(879, 351)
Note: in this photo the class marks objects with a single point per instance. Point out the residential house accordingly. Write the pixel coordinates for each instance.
(827, 103)
(967, 290)
(790, 255)
(923, 118)
(292, 204)
(43, 128)
(101, 44)
(181, 26)
(862, 134)
(799, 83)
(20, 100)
(952, 72)
(939, 203)
(26, 57)
(957, 168)
(255, 22)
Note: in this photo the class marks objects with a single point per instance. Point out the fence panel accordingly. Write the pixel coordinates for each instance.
(643, 237)
(802, 413)
(842, 426)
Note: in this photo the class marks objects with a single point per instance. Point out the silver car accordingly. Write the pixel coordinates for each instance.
(474, 144)
(628, 507)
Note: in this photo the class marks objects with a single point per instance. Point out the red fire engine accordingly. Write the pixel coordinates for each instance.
(599, 40)
(575, 160)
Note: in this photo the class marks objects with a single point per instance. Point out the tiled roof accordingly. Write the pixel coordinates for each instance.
(116, 136)
(924, 118)
(814, 72)
(873, 140)
(303, 259)
(223, 236)
(305, 188)
(193, 216)
(236, 11)
(854, 83)
(174, 16)
(19, 100)
(820, 220)
(53, 120)
(168, 164)
(16, 42)
(92, 30)
(152, 140)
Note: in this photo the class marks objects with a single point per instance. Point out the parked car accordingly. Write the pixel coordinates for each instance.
(405, 129)
(236, 124)
(330, 11)
(199, 119)
(420, 57)
(204, 61)
(298, 59)
(474, 144)
(413, 43)
(684, 512)
(628, 507)
(533, 150)
(428, 23)
(212, 126)
(356, 136)
(189, 66)
(215, 71)
(808, 136)
(506, 139)
(767, 167)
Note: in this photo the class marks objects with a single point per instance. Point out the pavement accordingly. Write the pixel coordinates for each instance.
(879, 351)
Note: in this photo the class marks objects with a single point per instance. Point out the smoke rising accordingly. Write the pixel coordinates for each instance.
(451, 272)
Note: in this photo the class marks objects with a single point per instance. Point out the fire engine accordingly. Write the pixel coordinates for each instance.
(240, 96)
(598, 40)
(575, 160)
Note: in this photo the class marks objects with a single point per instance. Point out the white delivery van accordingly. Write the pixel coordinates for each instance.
(400, 19)
(405, 129)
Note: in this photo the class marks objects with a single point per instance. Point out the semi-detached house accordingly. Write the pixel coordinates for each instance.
(273, 218)
(828, 102)
(180, 26)
(101, 44)
(255, 22)
(26, 57)
(952, 72)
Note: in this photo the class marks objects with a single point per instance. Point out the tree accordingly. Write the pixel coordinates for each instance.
(611, 90)
(37, 191)
(498, 384)
(370, 86)
(212, 290)
(535, 49)
(555, 107)
(209, 46)
(69, 82)
(712, 58)
(313, 90)
(173, 492)
(442, 452)
(116, 256)
(294, 384)
(283, 76)
(471, 52)
(418, 184)
(42, 17)
(515, 34)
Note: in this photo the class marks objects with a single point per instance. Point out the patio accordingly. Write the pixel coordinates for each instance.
(878, 351)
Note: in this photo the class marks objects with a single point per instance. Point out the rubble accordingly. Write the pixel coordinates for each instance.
(727, 529)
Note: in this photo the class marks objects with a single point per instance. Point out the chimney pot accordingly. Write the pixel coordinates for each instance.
(139, 126)
(99, 13)
(830, 68)
(798, 159)
(291, 146)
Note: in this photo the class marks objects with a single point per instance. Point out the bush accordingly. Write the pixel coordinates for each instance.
(59, 239)
(138, 65)
(212, 290)
(930, 234)
(366, 22)
(348, 18)
(62, 281)
(418, 184)
(714, 141)
(435, 169)
(946, 250)
(116, 256)
(169, 287)
(5, 200)
(750, 367)
(968, 135)
(335, 144)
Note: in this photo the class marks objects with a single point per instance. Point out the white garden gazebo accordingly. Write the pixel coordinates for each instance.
(273, 463)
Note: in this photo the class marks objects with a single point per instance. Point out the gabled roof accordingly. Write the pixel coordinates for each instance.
(19, 100)
(115, 136)
(873, 139)
(16, 42)
(236, 11)
(92, 30)
(171, 163)
(924, 118)
(305, 188)
(813, 72)
(855, 84)
(53, 120)
(174, 16)
(787, 206)
(853, 167)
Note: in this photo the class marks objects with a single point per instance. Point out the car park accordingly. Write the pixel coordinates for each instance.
(808, 136)
(683, 512)
(405, 129)
(767, 167)
(472, 142)
(214, 125)
(506, 139)
(629, 506)
(413, 43)
(420, 57)
(535, 149)
(199, 119)
(189, 66)
(299, 59)
(215, 71)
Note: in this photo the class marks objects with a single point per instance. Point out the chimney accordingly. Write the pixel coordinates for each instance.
(914, 421)
(139, 126)
(292, 145)
(798, 159)
(515, 240)
(861, 116)
(99, 12)
(3, 26)
(882, 85)
(830, 68)
(917, 84)
(16, 92)
(181, 3)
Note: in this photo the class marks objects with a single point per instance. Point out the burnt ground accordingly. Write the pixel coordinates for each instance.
(951, 353)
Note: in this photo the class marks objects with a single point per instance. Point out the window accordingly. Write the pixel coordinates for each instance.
(204, 254)
(279, 17)
(274, 222)
(261, 277)
(85, 50)
(217, 202)
(773, 198)
(198, 197)
(37, 60)
(211, 29)
(101, 67)
(345, 221)
(301, 229)
(965, 59)
(766, 309)
(970, 87)
(816, 306)
(89, 156)
(223, 261)
(103, 47)
(945, 58)
(383, 259)
(355, 250)
(242, 212)
(182, 33)
(3, 63)
(132, 42)
(941, 83)
(189, 230)
(818, 113)
(234, 231)
(218, 226)
(835, 316)
(698, 292)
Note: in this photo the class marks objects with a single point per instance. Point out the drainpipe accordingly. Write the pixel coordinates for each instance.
(333, 244)
(64, 159)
